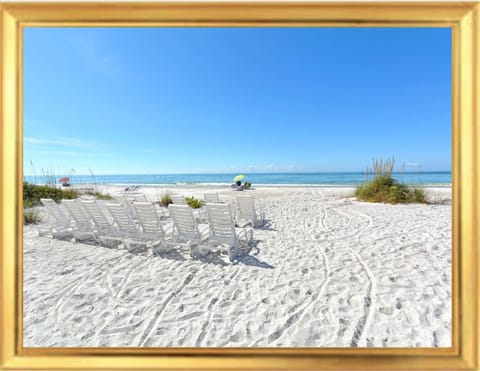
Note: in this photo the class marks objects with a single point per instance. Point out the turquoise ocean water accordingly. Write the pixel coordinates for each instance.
(443, 178)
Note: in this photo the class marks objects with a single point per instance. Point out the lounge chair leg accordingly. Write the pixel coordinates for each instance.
(192, 252)
(233, 257)
(250, 238)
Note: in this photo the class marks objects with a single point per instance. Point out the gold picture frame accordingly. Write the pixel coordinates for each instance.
(464, 20)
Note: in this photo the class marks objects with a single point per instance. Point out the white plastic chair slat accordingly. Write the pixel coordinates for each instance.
(148, 218)
(184, 221)
(246, 208)
(60, 217)
(96, 214)
(120, 215)
(221, 221)
(211, 198)
(77, 212)
(178, 200)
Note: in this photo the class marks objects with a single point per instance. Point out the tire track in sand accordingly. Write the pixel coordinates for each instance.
(148, 332)
(73, 286)
(204, 330)
(359, 333)
(301, 312)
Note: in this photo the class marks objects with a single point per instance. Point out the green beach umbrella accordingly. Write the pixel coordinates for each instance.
(238, 177)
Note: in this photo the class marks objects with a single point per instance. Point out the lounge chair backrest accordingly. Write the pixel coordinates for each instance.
(222, 225)
(54, 211)
(135, 197)
(148, 218)
(211, 198)
(96, 215)
(139, 197)
(121, 218)
(78, 213)
(184, 221)
(246, 208)
(178, 200)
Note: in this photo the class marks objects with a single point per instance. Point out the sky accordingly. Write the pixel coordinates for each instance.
(215, 100)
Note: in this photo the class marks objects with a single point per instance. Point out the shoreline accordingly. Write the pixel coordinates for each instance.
(228, 186)
(266, 185)
(153, 193)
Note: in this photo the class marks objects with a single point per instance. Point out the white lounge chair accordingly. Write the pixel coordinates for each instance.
(178, 200)
(128, 199)
(200, 214)
(106, 233)
(136, 197)
(152, 228)
(83, 229)
(60, 222)
(223, 231)
(132, 236)
(132, 189)
(186, 227)
(211, 198)
(162, 212)
(247, 215)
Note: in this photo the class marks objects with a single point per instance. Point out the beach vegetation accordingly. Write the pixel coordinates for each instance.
(165, 200)
(32, 193)
(31, 216)
(382, 187)
(193, 202)
(69, 194)
(30, 213)
(439, 200)
(381, 168)
(102, 196)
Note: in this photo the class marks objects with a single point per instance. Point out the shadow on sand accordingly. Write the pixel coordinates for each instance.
(245, 256)
(267, 226)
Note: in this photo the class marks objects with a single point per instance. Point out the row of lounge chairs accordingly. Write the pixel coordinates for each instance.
(140, 224)
(246, 212)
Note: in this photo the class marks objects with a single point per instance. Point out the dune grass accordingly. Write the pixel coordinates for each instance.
(165, 200)
(30, 213)
(193, 202)
(382, 187)
(32, 193)
(31, 216)
(103, 196)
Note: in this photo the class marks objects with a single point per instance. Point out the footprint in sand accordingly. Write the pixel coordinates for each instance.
(266, 300)
(237, 337)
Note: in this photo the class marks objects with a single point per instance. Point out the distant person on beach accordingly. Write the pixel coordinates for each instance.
(240, 186)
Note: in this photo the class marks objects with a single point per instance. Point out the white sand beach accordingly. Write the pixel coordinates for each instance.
(326, 271)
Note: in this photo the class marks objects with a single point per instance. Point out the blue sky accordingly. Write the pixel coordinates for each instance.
(172, 100)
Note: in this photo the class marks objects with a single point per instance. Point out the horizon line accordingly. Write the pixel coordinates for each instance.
(246, 173)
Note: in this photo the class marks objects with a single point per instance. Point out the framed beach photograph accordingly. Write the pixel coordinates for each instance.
(239, 185)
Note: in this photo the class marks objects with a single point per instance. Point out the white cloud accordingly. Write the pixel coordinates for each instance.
(70, 153)
(63, 142)
(29, 123)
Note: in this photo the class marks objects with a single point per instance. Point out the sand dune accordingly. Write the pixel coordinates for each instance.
(326, 271)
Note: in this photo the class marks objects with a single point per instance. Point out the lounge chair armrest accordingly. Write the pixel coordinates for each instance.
(245, 233)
